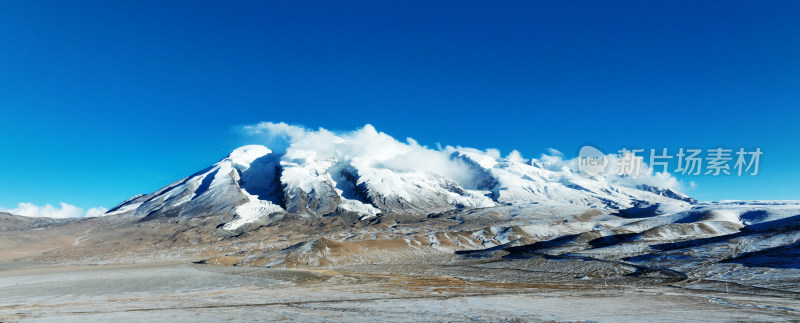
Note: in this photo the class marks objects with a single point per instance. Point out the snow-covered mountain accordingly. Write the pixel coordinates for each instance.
(256, 185)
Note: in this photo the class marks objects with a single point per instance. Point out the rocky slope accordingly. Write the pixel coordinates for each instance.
(254, 185)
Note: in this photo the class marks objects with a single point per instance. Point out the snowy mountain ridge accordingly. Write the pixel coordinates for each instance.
(367, 173)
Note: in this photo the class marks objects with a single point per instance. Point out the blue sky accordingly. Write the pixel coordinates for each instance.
(101, 100)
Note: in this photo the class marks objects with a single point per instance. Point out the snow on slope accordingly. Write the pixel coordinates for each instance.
(366, 173)
(219, 189)
(514, 182)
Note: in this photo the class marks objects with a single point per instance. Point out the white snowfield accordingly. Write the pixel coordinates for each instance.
(368, 173)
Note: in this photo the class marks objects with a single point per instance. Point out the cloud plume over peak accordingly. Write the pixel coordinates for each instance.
(369, 147)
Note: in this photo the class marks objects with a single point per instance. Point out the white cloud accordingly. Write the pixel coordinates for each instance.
(276, 136)
(515, 156)
(554, 152)
(95, 212)
(557, 162)
(49, 211)
(368, 147)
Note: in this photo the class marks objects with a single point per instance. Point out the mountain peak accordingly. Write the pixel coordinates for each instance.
(367, 173)
(245, 155)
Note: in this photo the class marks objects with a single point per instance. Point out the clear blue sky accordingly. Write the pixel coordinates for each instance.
(100, 100)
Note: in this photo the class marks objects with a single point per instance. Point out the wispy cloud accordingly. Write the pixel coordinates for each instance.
(276, 136)
(364, 146)
(367, 146)
(95, 212)
(648, 176)
(64, 211)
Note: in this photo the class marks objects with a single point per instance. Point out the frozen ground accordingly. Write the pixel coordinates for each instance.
(731, 261)
(34, 292)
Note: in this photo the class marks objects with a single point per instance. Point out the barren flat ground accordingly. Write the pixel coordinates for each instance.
(452, 268)
(38, 292)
